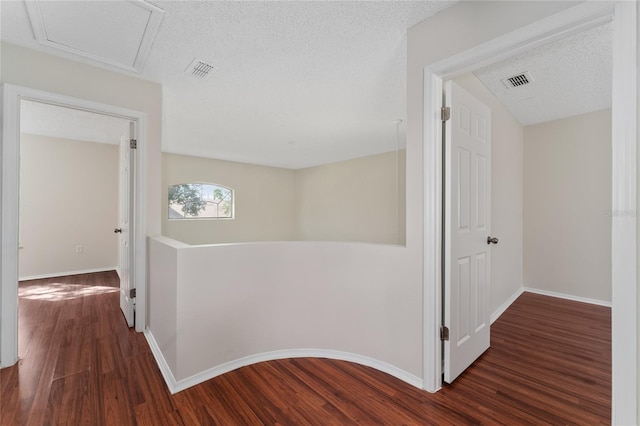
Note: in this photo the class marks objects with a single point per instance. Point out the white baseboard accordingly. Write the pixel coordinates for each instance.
(180, 385)
(65, 273)
(568, 297)
(169, 379)
(496, 314)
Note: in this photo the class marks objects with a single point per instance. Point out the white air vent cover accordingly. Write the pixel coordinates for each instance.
(518, 80)
(199, 69)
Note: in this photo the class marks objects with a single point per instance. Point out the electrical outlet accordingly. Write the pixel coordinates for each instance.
(79, 249)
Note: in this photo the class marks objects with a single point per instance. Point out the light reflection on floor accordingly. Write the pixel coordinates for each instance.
(60, 291)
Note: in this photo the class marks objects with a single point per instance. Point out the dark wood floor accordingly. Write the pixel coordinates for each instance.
(549, 363)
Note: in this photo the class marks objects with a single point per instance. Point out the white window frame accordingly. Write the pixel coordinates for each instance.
(233, 201)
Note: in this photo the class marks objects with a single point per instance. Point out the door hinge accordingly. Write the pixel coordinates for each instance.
(133, 144)
(445, 113)
(444, 333)
(132, 293)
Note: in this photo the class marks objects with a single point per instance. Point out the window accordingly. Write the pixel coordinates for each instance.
(200, 201)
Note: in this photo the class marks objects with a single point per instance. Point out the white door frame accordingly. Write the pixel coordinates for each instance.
(624, 138)
(11, 97)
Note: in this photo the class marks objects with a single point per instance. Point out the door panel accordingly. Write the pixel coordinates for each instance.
(125, 246)
(467, 256)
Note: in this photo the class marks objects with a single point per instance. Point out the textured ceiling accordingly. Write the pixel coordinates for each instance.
(296, 83)
(300, 83)
(58, 122)
(571, 76)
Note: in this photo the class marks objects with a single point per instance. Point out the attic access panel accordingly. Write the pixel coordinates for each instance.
(119, 33)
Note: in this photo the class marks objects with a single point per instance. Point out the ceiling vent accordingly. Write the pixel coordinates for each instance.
(199, 69)
(518, 80)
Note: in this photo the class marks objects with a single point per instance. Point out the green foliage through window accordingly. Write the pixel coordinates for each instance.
(200, 200)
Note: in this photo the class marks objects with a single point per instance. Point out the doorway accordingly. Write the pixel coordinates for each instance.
(74, 194)
(551, 186)
(12, 98)
(572, 21)
(68, 191)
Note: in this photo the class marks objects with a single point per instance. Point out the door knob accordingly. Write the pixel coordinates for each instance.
(492, 240)
(118, 230)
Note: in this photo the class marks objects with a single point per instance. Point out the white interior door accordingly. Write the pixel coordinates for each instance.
(467, 253)
(125, 226)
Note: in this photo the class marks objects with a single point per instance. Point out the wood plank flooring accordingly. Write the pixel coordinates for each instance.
(549, 363)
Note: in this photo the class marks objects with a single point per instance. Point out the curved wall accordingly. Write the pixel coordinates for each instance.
(261, 301)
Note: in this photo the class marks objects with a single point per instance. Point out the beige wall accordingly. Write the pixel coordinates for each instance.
(506, 194)
(360, 200)
(36, 70)
(567, 216)
(264, 205)
(68, 197)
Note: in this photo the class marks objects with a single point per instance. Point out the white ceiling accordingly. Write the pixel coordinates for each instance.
(571, 76)
(58, 122)
(296, 83)
(300, 83)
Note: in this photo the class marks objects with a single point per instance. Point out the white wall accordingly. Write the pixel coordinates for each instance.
(163, 273)
(355, 200)
(264, 201)
(506, 195)
(260, 298)
(638, 225)
(68, 197)
(567, 226)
